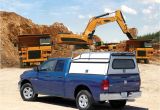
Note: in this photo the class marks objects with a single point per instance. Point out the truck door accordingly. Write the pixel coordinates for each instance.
(57, 79)
(51, 78)
(44, 76)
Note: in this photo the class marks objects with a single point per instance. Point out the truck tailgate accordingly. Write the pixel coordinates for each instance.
(124, 82)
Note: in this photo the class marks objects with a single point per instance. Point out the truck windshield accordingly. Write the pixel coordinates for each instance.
(45, 41)
(123, 64)
(147, 44)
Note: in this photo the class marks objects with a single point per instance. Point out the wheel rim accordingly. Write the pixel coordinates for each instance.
(83, 101)
(28, 92)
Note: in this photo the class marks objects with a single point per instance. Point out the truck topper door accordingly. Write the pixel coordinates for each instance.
(123, 74)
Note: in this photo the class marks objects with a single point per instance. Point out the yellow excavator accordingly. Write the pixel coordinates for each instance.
(87, 36)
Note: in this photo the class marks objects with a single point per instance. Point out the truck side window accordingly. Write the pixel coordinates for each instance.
(59, 66)
(48, 66)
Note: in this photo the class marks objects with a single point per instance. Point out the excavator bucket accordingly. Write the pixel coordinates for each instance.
(132, 34)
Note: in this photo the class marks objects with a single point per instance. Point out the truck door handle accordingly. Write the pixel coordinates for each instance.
(47, 76)
(86, 71)
(60, 77)
(124, 77)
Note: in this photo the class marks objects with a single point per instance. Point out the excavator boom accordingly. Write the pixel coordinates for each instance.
(87, 36)
(102, 19)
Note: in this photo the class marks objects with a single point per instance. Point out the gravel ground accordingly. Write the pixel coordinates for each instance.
(10, 98)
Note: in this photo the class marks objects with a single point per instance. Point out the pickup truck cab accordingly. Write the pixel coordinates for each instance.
(88, 78)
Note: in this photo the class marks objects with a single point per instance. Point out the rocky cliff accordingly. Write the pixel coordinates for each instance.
(12, 25)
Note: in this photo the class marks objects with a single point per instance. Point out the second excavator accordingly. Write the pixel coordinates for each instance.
(87, 37)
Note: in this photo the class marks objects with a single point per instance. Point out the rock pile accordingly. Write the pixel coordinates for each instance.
(11, 26)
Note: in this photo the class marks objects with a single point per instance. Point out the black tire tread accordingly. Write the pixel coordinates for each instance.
(90, 107)
(117, 103)
(21, 92)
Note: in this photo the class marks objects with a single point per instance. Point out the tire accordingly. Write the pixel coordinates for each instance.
(21, 65)
(27, 64)
(84, 100)
(27, 92)
(138, 60)
(102, 102)
(117, 103)
(146, 61)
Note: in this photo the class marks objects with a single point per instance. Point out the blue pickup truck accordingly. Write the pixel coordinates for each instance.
(89, 78)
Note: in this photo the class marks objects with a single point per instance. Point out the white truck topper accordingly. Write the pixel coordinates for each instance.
(93, 62)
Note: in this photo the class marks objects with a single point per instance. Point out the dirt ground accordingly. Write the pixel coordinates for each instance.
(10, 98)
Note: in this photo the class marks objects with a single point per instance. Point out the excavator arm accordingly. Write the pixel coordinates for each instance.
(101, 20)
(130, 32)
(87, 36)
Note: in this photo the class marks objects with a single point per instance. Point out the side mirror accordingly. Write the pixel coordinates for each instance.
(36, 68)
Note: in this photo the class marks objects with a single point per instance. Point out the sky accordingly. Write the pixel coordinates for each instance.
(75, 14)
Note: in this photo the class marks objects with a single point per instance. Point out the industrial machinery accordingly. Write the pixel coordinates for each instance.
(106, 46)
(143, 49)
(34, 49)
(87, 36)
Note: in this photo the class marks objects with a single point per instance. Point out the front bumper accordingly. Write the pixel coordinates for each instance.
(119, 96)
(19, 85)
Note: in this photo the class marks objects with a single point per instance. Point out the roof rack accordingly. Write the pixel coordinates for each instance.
(123, 54)
(90, 55)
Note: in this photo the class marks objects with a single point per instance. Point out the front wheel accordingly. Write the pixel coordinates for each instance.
(27, 92)
(102, 102)
(84, 100)
(117, 103)
(146, 61)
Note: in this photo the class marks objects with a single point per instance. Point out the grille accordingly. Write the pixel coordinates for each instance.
(36, 54)
(141, 53)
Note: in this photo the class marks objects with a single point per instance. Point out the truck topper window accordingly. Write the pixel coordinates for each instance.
(123, 64)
